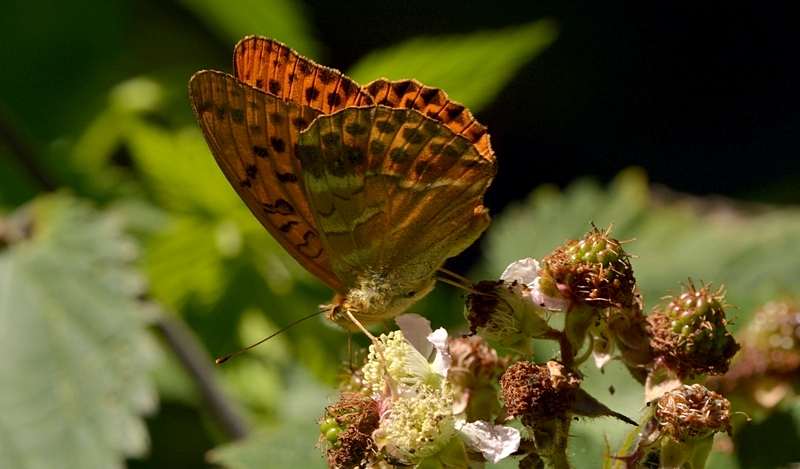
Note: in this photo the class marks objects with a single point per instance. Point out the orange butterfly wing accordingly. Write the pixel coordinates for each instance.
(253, 136)
(433, 103)
(394, 193)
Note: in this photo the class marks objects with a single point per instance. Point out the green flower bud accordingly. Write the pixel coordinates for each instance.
(690, 332)
(688, 418)
(594, 270)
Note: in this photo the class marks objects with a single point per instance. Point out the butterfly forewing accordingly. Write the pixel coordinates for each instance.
(393, 191)
(270, 66)
(253, 136)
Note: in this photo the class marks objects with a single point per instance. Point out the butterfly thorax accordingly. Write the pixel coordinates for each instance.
(377, 298)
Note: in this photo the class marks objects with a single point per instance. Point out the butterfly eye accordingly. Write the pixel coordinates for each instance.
(411, 294)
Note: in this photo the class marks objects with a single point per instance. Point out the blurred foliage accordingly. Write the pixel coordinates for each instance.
(97, 103)
(76, 378)
(472, 68)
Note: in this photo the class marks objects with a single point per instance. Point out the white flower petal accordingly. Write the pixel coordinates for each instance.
(547, 302)
(495, 442)
(442, 362)
(524, 270)
(416, 330)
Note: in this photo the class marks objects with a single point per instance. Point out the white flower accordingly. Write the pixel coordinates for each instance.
(526, 272)
(407, 352)
(419, 425)
(417, 331)
(495, 442)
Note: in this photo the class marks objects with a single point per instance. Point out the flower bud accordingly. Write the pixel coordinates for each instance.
(347, 430)
(474, 371)
(692, 411)
(594, 270)
(690, 332)
(538, 393)
(688, 418)
(504, 311)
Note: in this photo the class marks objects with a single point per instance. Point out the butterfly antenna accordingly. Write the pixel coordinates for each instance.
(459, 282)
(222, 360)
(463, 279)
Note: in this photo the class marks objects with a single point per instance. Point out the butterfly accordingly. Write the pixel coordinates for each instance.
(369, 188)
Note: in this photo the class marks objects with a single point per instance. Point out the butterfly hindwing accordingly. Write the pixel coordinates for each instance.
(252, 135)
(393, 191)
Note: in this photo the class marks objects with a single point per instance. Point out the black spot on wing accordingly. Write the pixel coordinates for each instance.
(401, 88)
(377, 147)
(277, 118)
(281, 206)
(303, 66)
(237, 116)
(398, 155)
(385, 127)
(301, 247)
(334, 99)
(260, 151)
(326, 75)
(414, 136)
(356, 128)
(274, 87)
(287, 227)
(311, 94)
(277, 144)
(376, 87)
(286, 177)
(431, 95)
(300, 123)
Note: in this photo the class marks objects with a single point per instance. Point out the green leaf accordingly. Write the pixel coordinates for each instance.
(471, 68)
(286, 446)
(291, 444)
(280, 19)
(74, 378)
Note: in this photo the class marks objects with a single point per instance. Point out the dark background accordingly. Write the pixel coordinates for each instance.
(704, 96)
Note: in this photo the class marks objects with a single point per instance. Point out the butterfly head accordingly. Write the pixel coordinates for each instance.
(378, 298)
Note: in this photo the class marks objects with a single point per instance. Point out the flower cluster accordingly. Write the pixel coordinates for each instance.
(412, 415)
(424, 400)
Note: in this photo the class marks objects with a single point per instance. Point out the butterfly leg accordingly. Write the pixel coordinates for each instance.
(374, 340)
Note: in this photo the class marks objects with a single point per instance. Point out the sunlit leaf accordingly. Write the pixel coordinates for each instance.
(283, 20)
(73, 381)
(471, 68)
